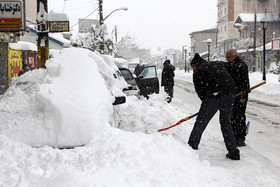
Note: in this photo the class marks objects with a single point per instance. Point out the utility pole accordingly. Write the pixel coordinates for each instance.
(42, 32)
(100, 25)
(100, 12)
(116, 33)
(185, 50)
(255, 38)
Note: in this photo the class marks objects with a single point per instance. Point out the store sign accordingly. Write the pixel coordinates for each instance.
(85, 25)
(58, 26)
(12, 15)
(14, 63)
(276, 44)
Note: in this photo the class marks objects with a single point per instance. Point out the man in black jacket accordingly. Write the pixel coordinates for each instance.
(215, 88)
(167, 79)
(239, 72)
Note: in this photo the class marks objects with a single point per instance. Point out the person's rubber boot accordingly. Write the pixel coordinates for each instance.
(233, 155)
(168, 99)
(193, 147)
(240, 141)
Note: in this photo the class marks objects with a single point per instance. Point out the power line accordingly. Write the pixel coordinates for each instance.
(71, 7)
(84, 18)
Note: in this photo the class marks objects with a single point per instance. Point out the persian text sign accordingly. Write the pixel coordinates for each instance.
(14, 63)
(12, 15)
(59, 26)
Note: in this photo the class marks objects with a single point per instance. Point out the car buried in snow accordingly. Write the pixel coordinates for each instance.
(66, 104)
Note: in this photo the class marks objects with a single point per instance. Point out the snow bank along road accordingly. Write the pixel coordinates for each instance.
(259, 158)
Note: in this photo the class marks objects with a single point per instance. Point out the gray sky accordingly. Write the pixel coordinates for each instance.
(154, 23)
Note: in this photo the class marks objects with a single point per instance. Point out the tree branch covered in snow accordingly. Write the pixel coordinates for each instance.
(128, 48)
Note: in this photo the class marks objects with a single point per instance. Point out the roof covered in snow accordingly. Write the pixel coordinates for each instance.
(248, 18)
(23, 46)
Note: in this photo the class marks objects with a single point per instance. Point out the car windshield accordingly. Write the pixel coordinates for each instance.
(148, 72)
(126, 74)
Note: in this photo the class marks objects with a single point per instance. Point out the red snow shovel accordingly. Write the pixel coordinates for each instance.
(193, 115)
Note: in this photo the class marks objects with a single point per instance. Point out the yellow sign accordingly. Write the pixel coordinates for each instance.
(59, 26)
(43, 56)
(10, 25)
(14, 63)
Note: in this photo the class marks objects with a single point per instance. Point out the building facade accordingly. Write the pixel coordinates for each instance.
(199, 38)
(236, 20)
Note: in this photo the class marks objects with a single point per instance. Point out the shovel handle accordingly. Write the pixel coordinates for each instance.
(253, 87)
(193, 115)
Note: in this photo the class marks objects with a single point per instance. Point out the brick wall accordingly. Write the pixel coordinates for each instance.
(3, 67)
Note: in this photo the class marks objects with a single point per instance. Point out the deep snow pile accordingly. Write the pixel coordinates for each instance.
(65, 105)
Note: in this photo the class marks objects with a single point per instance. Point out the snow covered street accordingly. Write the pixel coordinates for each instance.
(259, 158)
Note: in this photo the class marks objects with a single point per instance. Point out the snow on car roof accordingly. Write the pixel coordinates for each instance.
(69, 102)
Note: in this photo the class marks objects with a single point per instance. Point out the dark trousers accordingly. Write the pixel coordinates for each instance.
(207, 110)
(238, 119)
(169, 90)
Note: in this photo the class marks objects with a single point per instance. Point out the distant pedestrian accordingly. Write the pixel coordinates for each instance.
(23, 70)
(167, 79)
(215, 87)
(239, 72)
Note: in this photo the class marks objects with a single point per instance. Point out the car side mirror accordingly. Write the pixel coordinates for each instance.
(128, 88)
(119, 100)
(140, 77)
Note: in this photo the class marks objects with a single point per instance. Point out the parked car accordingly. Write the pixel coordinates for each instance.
(128, 77)
(66, 104)
(147, 81)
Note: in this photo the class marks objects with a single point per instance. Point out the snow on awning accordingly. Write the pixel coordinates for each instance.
(249, 18)
(22, 45)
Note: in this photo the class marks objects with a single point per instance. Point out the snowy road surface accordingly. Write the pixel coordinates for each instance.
(260, 158)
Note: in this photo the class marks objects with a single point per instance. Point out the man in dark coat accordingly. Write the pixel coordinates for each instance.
(167, 79)
(239, 72)
(215, 88)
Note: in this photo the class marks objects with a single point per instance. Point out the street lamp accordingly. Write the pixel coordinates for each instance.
(174, 58)
(264, 28)
(185, 59)
(123, 8)
(209, 41)
(102, 22)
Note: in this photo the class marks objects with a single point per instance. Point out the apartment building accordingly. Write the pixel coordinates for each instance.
(199, 38)
(236, 20)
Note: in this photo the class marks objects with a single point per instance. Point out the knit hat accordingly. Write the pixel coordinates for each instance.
(167, 62)
(196, 58)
